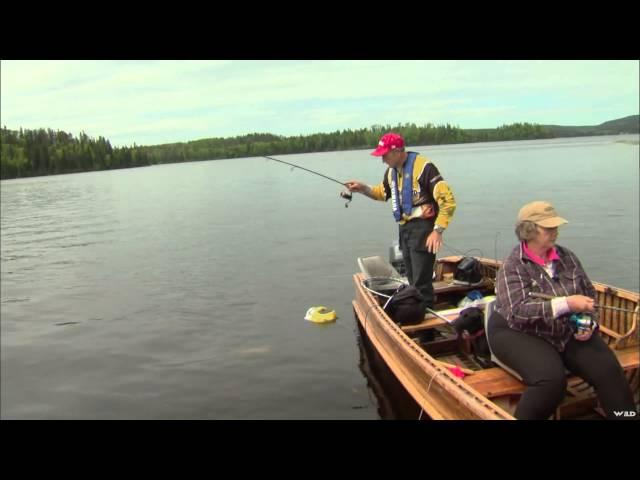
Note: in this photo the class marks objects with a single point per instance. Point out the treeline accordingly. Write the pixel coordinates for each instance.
(26, 153)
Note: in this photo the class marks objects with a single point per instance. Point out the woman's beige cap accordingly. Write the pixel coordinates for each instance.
(541, 213)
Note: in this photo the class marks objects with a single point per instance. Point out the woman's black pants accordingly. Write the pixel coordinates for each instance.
(542, 368)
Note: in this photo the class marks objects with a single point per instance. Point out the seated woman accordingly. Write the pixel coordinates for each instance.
(535, 337)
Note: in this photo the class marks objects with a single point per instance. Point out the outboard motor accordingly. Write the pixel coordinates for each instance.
(395, 258)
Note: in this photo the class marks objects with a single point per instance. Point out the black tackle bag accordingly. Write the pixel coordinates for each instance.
(468, 271)
(406, 306)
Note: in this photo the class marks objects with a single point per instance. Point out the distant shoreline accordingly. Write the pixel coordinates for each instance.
(31, 153)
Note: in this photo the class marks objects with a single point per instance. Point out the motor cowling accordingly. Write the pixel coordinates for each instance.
(396, 259)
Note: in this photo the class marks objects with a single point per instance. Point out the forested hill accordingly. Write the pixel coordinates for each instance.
(630, 124)
(26, 153)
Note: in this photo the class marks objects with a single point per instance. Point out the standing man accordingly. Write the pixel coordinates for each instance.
(423, 205)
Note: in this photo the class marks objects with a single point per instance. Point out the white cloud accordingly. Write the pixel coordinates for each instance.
(122, 99)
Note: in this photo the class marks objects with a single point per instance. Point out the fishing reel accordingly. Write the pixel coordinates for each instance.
(582, 322)
(346, 194)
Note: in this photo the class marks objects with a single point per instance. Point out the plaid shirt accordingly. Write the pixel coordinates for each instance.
(520, 275)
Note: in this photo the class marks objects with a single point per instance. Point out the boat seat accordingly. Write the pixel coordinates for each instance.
(451, 286)
(488, 310)
(429, 322)
(487, 313)
(380, 276)
(432, 321)
(376, 266)
(495, 382)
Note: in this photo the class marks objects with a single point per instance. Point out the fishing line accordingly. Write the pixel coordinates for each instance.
(459, 252)
(308, 170)
(345, 194)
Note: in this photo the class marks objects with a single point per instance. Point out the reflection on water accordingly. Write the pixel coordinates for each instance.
(393, 401)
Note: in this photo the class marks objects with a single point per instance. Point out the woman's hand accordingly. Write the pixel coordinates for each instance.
(580, 303)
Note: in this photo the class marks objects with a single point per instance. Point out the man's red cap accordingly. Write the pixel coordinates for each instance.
(389, 141)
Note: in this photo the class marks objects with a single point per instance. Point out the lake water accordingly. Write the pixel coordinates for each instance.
(179, 291)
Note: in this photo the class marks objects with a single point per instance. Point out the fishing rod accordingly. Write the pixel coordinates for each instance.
(546, 296)
(441, 317)
(346, 194)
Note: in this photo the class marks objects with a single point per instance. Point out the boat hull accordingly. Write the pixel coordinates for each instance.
(444, 396)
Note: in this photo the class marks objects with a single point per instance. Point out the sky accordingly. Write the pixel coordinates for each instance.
(165, 101)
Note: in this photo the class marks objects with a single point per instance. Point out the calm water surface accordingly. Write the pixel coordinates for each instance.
(179, 291)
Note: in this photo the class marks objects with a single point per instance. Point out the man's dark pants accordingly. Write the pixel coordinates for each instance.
(418, 261)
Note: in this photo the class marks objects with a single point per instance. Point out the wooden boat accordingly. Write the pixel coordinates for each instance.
(427, 368)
